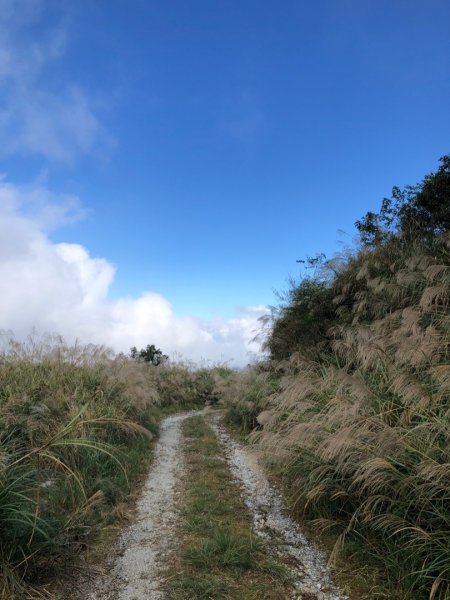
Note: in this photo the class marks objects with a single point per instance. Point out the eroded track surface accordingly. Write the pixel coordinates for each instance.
(137, 567)
(135, 570)
(284, 538)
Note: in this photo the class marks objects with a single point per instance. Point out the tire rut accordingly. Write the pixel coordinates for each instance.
(282, 536)
(142, 548)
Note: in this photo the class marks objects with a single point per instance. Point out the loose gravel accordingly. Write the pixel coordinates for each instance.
(283, 536)
(134, 572)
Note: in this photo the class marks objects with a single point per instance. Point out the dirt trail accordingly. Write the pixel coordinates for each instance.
(135, 570)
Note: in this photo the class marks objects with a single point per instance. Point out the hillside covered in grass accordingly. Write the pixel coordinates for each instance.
(76, 428)
(353, 407)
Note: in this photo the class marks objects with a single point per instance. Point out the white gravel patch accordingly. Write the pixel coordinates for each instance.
(143, 547)
(282, 535)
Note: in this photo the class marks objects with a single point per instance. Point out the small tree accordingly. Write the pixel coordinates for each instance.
(302, 320)
(150, 354)
(416, 212)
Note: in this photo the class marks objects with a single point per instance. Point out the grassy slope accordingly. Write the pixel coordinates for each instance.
(360, 432)
(75, 432)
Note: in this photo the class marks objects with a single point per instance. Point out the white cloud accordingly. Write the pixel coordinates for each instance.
(39, 116)
(61, 288)
(46, 209)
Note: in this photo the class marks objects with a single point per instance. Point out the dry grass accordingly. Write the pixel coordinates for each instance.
(75, 428)
(362, 434)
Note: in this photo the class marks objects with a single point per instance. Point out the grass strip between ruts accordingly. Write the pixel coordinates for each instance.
(218, 556)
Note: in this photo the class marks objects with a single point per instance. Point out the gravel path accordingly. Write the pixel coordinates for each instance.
(143, 546)
(134, 571)
(283, 537)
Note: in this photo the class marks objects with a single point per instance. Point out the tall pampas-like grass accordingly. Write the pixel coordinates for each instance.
(362, 434)
(75, 425)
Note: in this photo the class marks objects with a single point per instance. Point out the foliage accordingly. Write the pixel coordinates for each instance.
(182, 384)
(302, 320)
(246, 394)
(417, 212)
(359, 423)
(150, 354)
(69, 440)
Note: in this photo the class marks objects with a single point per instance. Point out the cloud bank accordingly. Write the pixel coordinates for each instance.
(61, 288)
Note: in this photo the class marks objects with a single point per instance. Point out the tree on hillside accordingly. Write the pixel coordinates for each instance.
(149, 354)
(311, 307)
(302, 320)
(416, 212)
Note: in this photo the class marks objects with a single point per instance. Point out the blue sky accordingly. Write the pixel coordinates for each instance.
(200, 148)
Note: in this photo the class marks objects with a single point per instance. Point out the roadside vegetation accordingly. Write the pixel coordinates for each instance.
(353, 406)
(76, 428)
(219, 556)
(352, 409)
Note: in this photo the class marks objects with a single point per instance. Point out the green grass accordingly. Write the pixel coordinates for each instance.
(201, 587)
(224, 549)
